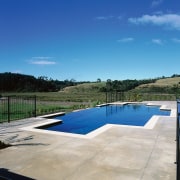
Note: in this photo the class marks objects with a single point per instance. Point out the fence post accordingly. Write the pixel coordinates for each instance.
(8, 109)
(35, 105)
(116, 96)
(177, 142)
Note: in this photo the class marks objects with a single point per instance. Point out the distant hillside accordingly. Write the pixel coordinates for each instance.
(159, 85)
(11, 82)
(163, 82)
(168, 85)
(85, 87)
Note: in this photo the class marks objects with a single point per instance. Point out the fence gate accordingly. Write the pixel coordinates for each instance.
(17, 107)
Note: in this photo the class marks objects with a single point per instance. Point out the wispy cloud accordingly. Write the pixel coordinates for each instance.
(104, 17)
(126, 40)
(108, 18)
(169, 21)
(176, 40)
(42, 61)
(120, 17)
(17, 71)
(157, 41)
(158, 13)
(156, 3)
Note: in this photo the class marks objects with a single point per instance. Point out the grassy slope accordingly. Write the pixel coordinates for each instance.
(76, 97)
(94, 87)
(86, 87)
(81, 93)
(163, 83)
(90, 91)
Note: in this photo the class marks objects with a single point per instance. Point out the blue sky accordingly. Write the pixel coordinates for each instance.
(90, 39)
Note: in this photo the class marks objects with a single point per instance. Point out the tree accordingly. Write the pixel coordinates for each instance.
(98, 80)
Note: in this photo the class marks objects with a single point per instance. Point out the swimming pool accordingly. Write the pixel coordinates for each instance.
(85, 121)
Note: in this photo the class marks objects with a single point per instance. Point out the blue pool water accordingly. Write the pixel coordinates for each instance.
(85, 121)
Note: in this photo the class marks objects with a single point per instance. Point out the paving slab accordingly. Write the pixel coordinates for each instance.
(120, 152)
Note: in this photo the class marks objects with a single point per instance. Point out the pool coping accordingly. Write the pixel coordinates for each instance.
(149, 125)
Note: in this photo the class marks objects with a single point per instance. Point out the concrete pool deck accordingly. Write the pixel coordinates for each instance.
(120, 152)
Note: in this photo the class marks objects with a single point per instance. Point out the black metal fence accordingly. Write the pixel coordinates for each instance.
(128, 96)
(19, 107)
(177, 140)
(15, 107)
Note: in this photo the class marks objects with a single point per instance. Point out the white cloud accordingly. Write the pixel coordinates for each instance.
(157, 41)
(42, 61)
(176, 40)
(170, 21)
(156, 3)
(126, 40)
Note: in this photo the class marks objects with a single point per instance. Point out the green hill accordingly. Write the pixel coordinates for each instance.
(85, 88)
(163, 82)
(27, 83)
(166, 82)
(166, 85)
(163, 85)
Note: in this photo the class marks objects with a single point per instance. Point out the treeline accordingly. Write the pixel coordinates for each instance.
(12, 82)
(125, 85)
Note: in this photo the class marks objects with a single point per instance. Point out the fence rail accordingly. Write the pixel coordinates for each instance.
(128, 96)
(15, 107)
